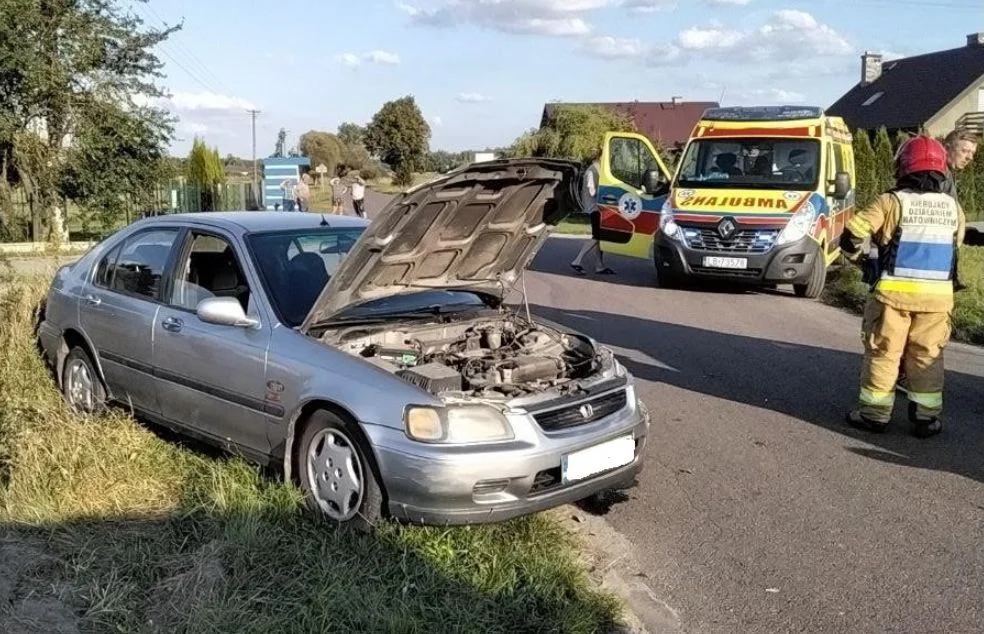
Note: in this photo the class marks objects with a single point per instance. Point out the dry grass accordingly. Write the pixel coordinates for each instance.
(105, 526)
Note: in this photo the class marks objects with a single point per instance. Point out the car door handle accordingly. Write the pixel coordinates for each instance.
(92, 300)
(172, 324)
(609, 199)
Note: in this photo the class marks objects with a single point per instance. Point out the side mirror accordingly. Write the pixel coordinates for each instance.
(842, 185)
(224, 311)
(653, 181)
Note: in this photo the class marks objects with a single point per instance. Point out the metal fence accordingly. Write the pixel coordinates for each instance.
(177, 196)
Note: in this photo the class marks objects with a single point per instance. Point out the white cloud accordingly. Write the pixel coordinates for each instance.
(472, 97)
(436, 120)
(788, 36)
(649, 6)
(207, 102)
(735, 3)
(372, 57)
(537, 17)
(770, 96)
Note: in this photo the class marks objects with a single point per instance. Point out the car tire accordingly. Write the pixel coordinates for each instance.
(666, 279)
(818, 279)
(333, 452)
(82, 387)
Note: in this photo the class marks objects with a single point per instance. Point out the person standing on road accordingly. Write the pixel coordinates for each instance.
(359, 196)
(337, 191)
(287, 186)
(589, 205)
(917, 229)
(961, 146)
(302, 193)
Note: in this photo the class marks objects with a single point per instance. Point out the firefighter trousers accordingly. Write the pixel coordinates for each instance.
(917, 341)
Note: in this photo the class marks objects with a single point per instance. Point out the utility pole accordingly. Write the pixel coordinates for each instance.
(256, 190)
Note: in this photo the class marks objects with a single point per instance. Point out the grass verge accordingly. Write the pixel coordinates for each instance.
(575, 224)
(846, 290)
(385, 184)
(106, 526)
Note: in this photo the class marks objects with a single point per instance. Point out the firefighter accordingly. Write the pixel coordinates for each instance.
(917, 230)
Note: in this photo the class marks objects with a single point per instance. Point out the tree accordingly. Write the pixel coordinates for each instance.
(352, 134)
(280, 150)
(865, 172)
(573, 132)
(399, 135)
(322, 148)
(205, 172)
(65, 65)
(884, 161)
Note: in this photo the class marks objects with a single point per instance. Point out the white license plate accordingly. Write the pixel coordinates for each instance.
(725, 263)
(593, 460)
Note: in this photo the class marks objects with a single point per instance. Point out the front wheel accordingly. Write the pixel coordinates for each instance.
(337, 473)
(818, 280)
(81, 385)
(665, 278)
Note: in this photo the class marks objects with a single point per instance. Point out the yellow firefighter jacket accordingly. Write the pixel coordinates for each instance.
(917, 235)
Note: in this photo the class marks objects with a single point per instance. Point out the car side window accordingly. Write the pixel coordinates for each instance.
(139, 270)
(106, 267)
(210, 269)
(630, 160)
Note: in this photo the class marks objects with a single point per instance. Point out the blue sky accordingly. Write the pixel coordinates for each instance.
(481, 70)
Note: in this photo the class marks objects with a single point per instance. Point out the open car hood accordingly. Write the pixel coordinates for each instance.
(475, 228)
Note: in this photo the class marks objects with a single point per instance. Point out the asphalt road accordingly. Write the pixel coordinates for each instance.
(759, 509)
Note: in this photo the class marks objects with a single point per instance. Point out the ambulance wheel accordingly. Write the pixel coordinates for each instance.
(818, 279)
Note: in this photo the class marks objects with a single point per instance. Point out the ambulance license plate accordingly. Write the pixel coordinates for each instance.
(594, 460)
(725, 263)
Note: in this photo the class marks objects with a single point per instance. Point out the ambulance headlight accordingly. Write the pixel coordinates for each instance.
(799, 225)
(668, 225)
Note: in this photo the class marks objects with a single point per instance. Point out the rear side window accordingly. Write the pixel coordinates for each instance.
(141, 263)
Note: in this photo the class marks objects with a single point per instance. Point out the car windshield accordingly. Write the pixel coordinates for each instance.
(751, 163)
(296, 265)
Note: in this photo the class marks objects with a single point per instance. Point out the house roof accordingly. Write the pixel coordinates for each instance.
(914, 89)
(665, 122)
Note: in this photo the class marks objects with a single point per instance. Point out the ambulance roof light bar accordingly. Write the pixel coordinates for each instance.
(763, 113)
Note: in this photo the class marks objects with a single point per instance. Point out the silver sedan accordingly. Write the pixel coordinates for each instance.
(377, 364)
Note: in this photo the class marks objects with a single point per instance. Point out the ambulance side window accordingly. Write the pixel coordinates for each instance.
(629, 161)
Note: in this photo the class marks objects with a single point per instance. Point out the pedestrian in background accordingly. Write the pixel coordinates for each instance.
(359, 196)
(338, 190)
(302, 193)
(917, 229)
(589, 205)
(287, 186)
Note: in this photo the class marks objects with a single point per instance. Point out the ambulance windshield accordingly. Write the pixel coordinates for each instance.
(751, 163)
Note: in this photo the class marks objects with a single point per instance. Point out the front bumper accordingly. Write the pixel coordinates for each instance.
(786, 264)
(477, 485)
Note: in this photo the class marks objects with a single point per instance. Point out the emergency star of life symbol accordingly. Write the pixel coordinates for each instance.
(630, 206)
(727, 228)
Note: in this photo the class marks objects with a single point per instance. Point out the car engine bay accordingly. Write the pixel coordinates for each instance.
(489, 357)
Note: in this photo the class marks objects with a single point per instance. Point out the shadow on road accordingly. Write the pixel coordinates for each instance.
(815, 385)
(555, 259)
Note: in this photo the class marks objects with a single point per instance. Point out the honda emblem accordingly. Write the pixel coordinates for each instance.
(587, 411)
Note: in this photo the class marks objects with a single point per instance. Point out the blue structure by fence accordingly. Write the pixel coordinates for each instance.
(275, 171)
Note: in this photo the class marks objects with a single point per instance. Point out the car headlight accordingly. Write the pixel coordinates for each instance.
(799, 225)
(456, 424)
(667, 224)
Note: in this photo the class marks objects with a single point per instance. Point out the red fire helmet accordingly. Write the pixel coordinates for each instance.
(920, 154)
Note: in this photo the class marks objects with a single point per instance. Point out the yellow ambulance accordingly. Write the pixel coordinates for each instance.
(760, 195)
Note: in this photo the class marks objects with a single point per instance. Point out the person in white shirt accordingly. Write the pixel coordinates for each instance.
(589, 204)
(359, 197)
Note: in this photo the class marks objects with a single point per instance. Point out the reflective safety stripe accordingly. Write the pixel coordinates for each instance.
(878, 399)
(932, 400)
(859, 226)
(926, 242)
(928, 287)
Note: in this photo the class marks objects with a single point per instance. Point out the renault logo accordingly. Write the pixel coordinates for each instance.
(587, 411)
(727, 228)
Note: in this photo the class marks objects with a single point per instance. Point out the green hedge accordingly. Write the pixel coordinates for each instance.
(875, 173)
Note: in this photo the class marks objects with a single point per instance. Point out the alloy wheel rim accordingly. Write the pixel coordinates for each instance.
(81, 393)
(335, 473)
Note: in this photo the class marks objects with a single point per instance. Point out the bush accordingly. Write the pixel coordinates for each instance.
(370, 172)
(403, 176)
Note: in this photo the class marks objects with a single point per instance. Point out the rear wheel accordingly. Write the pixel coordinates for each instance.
(818, 279)
(337, 472)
